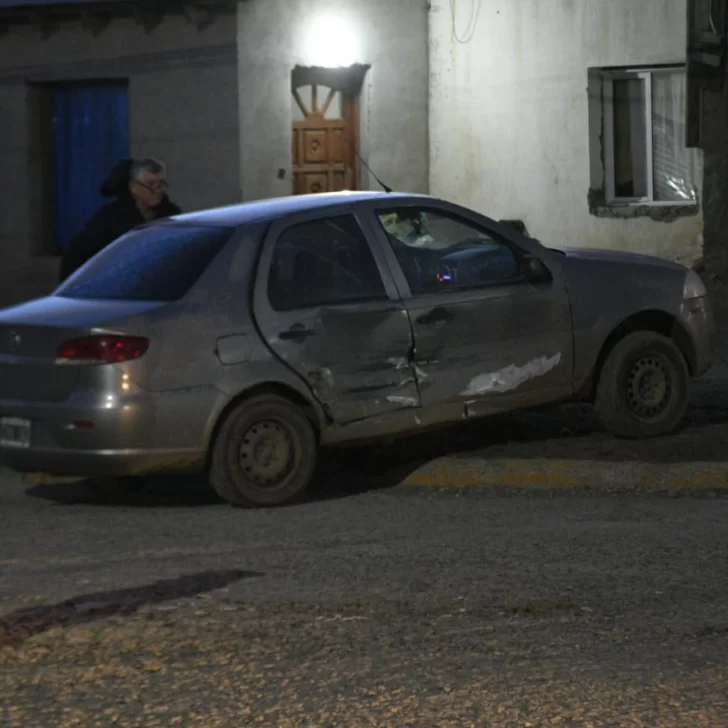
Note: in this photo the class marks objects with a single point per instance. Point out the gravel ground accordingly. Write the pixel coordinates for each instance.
(396, 607)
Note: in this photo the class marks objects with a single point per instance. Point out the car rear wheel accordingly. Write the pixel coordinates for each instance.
(643, 388)
(264, 454)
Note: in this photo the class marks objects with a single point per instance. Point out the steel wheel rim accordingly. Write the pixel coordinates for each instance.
(649, 386)
(267, 454)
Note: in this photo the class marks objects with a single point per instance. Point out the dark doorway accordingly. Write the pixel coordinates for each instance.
(90, 130)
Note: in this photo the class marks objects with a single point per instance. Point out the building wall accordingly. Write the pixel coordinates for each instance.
(391, 35)
(510, 119)
(712, 15)
(184, 108)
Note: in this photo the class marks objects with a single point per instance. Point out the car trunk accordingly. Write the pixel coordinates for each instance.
(31, 335)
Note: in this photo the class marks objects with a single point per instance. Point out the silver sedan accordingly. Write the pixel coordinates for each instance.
(237, 341)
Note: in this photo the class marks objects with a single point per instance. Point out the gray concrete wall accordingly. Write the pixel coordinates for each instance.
(510, 123)
(184, 108)
(391, 35)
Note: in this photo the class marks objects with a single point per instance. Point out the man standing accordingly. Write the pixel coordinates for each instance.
(140, 188)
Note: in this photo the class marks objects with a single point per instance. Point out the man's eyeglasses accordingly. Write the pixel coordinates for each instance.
(158, 187)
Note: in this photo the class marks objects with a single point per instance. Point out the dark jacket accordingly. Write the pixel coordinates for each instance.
(110, 222)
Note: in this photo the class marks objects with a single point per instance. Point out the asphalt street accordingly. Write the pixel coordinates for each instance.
(389, 607)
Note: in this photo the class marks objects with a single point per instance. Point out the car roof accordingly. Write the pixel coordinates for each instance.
(269, 209)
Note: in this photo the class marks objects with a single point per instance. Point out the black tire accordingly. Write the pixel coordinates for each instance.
(643, 388)
(264, 454)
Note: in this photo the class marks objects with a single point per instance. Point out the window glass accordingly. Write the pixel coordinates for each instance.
(630, 135)
(676, 168)
(645, 121)
(312, 99)
(323, 262)
(439, 253)
(159, 263)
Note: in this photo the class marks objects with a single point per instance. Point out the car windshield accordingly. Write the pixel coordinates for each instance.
(159, 263)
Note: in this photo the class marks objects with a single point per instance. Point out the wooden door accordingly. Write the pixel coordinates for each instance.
(325, 139)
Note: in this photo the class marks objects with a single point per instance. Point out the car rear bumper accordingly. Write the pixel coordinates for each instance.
(106, 434)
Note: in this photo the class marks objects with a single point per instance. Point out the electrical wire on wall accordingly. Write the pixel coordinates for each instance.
(472, 24)
(710, 18)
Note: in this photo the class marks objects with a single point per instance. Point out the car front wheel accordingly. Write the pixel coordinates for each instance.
(264, 454)
(643, 387)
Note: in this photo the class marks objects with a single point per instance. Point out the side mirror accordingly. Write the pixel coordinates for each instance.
(535, 271)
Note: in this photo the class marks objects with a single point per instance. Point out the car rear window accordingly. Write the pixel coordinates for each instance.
(159, 263)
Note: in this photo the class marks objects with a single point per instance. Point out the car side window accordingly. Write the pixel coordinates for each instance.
(323, 262)
(440, 252)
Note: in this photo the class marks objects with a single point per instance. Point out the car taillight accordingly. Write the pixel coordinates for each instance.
(103, 349)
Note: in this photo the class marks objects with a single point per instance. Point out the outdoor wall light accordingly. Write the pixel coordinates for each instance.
(331, 41)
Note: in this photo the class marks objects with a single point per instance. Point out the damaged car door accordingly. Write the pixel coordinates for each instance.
(492, 322)
(327, 307)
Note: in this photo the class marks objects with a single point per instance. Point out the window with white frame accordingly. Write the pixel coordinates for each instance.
(645, 157)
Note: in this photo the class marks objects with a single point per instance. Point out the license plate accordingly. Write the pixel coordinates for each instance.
(15, 432)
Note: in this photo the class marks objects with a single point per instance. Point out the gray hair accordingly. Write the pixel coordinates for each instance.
(146, 165)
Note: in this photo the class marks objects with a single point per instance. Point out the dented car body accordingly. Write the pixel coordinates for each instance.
(363, 314)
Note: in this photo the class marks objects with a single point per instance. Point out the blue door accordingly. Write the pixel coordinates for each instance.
(90, 135)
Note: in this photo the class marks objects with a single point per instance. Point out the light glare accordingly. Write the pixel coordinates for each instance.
(331, 42)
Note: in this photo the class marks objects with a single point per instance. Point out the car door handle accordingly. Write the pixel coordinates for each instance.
(297, 332)
(437, 316)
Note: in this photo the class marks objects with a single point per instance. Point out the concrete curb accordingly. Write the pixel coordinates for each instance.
(512, 474)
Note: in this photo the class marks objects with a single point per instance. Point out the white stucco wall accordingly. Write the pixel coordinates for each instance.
(391, 35)
(509, 120)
